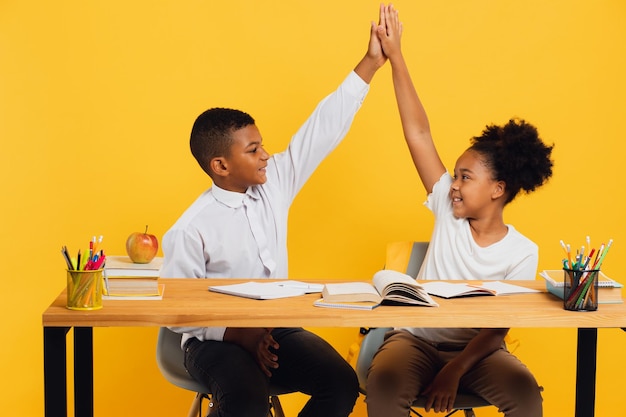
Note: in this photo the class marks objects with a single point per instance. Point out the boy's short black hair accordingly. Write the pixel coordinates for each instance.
(516, 155)
(211, 135)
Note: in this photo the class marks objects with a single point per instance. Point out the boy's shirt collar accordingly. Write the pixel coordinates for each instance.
(234, 199)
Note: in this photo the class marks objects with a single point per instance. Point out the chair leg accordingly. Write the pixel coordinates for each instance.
(276, 409)
(196, 406)
(414, 411)
(468, 412)
(212, 405)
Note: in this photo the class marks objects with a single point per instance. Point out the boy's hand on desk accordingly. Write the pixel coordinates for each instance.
(258, 342)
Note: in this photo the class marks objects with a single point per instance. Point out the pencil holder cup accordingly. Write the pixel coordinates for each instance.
(84, 290)
(580, 290)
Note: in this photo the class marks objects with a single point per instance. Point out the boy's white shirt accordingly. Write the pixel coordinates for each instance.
(213, 238)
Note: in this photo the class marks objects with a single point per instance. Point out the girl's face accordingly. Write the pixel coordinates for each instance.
(474, 189)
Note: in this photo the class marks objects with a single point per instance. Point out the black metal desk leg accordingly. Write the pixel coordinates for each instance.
(586, 372)
(83, 371)
(55, 371)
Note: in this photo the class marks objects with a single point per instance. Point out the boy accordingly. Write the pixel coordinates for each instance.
(238, 229)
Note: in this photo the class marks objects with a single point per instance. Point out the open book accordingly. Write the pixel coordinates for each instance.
(389, 287)
(450, 289)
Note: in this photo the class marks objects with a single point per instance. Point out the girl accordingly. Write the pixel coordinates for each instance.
(470, 240)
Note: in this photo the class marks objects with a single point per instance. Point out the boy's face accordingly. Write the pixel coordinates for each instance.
(245, 166)
(474, 189)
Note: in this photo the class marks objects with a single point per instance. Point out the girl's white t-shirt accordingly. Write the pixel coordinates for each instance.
(453, 254)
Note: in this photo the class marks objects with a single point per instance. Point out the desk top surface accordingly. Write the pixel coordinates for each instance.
(187, 302)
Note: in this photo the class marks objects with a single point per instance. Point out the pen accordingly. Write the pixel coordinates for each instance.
(98, 263)
(582, 275)
(582, 255)
(89, 260)
(301, 285)
(588, 258)
(597, 258)
(597, 265)
(569, 259)
(97, 244)
(66, 256)
(569, 256)
(106, 282)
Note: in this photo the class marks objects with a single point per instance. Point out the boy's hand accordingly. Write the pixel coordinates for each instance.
(258, 342)
(375, 49)
(389, 31)
(374, 57)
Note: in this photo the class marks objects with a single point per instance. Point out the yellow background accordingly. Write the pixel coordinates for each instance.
(97, 99)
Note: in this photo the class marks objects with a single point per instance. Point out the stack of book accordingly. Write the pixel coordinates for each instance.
(125, 279)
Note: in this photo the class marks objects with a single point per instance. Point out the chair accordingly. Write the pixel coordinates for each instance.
(406, 257)
(170, 359)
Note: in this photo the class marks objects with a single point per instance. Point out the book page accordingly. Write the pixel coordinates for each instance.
(396, 287)
(350, 292)
(386, 277)
(447, 289)
(306, 286)
(355, 305)
(505, 288)
(129, 297)
(124, 262)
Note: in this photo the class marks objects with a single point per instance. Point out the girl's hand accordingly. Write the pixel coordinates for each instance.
(441, 393)
(389, 31)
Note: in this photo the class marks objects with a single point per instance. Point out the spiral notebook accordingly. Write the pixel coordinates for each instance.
(609, 290)
(556, 278)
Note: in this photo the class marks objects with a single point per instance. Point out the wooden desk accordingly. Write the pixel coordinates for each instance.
(188, 303)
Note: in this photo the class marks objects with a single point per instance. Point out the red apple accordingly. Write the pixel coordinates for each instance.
(142, 247)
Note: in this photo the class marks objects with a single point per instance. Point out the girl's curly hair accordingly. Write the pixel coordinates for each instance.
(516, 155)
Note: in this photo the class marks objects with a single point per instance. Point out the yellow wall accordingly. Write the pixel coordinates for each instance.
(97, 100)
